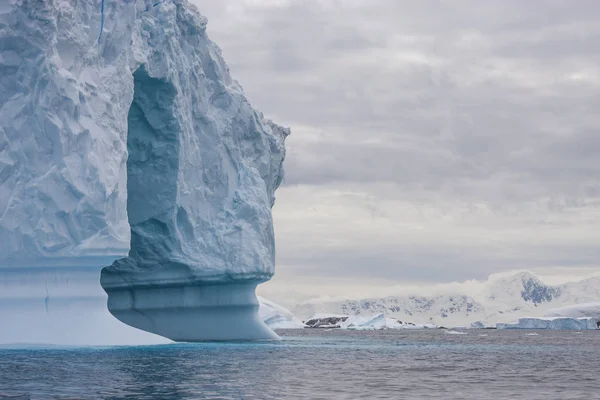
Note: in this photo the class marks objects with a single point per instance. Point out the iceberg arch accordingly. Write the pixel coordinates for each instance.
(154, 288)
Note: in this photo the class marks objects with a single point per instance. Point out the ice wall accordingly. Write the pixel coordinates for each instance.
(61, 306)
(120, 124)
(558, 323)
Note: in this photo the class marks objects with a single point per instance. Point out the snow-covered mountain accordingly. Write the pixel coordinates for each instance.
(409, 308)
(502, 298)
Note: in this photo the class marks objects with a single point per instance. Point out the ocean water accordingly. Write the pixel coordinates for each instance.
(317, 364)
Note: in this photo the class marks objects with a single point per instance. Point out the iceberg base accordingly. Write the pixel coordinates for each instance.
(192, 312)
(61, 305)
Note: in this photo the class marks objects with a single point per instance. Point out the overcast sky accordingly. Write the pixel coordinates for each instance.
(432, 141)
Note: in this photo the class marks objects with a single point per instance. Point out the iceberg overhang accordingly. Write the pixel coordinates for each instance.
(200, 312)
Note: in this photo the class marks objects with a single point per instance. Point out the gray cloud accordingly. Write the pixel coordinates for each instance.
(435, 105)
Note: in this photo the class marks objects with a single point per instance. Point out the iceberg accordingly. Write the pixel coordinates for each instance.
(61, 306)
(552, 323)
(447, 332)
(379, 322)
(276, 316)
(67, 306)
(392, 323)
(482, 325)
(125, 143)
(373, 322)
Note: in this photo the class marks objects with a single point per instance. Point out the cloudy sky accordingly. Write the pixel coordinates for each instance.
(432, 141)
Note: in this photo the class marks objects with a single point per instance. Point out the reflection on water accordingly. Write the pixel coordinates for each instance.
(315, 364)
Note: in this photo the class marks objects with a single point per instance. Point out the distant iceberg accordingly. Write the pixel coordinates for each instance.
(478, 325)
(380, 322)
(276, 316)
(576, 317)
(373, 322)
(553, 323)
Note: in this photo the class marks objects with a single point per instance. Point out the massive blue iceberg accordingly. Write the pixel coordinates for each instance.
(125, 143)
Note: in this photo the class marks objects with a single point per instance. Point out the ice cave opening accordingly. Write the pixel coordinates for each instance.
(152, 164)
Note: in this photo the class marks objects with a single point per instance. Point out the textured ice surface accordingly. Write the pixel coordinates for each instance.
(120, 124)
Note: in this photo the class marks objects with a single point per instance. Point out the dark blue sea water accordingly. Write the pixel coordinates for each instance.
(313, 364)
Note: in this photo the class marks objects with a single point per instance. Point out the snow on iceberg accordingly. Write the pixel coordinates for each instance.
(123, 133)
(552, 323)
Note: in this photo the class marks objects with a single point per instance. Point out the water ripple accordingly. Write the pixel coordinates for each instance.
(313, 364)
